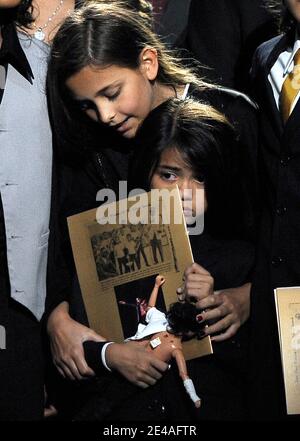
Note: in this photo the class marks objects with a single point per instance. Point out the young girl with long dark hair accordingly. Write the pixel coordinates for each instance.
(107, 72)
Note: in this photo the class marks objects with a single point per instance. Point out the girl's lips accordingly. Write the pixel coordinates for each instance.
(187, 210)
(124, 126)
(188, 214)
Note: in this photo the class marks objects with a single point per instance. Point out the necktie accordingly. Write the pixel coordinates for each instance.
(290, 88)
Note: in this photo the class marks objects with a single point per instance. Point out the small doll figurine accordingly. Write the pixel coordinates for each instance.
(165, 333)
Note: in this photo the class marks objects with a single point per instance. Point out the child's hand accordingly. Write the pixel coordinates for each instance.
(198, 284)
(223, 311)
(136, 364)
(226, 311)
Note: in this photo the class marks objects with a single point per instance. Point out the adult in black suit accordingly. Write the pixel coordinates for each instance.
(278, 250)
(171, 21)
(223, 35)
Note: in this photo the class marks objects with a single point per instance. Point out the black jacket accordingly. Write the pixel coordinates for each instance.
(278, 246)
(223, 35)
(79, 181)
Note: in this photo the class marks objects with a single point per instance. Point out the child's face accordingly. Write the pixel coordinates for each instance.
(117, 96)
(172, 171)
(294, 8)
(9, 3)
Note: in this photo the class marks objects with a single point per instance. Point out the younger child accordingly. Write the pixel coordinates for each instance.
(183, 143)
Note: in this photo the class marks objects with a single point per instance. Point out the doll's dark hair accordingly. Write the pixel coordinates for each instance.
(102, 34)
(21, 14)
(206, 142)
(181, 318)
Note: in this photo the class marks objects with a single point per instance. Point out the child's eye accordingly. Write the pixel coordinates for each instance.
(85, 105)
(168, 176)
(113, 96)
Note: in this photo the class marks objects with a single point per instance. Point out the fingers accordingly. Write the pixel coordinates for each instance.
(160, 280)
(93, 336)
(195, 268)
(211, 301)
(180, 294)
(72, 366)
(60, 370)
(149, 375)
(198, 283)
(229, 333)
(64, 370)
(81, 369)
(50, 411)
(141, 384)
(221, 315)
(135, 363)
(74, 370)
(158, 365)
(227, 323)
(199, 286)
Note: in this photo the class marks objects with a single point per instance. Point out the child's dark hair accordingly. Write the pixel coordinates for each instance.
(21, 15)
(182, 320)
(102, 34)
(207, 144)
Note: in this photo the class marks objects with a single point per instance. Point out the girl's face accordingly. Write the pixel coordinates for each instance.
(9, 3)
(294, 8)
(172, 171)
(117, 96)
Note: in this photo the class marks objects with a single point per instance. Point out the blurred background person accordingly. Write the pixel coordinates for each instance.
(223, 35)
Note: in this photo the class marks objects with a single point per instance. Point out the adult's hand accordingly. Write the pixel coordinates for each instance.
(66, 340)
(136, 364)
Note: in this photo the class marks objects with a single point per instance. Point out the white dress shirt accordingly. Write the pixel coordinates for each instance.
(282, 67)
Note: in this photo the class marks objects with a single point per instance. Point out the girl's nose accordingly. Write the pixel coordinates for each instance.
(106, 113)
(185, 188)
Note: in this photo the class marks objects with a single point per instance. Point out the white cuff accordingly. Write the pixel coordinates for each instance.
(103, 350)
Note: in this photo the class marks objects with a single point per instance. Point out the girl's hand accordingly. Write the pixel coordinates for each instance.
(136, 364)
(228, 309)
(198, 284)
(231, 308)
(66, 339)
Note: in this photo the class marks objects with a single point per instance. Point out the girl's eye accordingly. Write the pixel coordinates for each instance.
(85, 105)
(168, 176)
(113, 96)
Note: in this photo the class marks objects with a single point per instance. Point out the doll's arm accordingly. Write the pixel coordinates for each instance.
(187, 382)
(159, 281)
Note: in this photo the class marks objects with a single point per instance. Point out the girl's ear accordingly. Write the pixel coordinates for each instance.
(149, 63)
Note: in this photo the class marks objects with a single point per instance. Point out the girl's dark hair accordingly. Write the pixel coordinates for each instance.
(286, 22)
(181, 319)
(101, 34)
(21, 15)
(207, 144)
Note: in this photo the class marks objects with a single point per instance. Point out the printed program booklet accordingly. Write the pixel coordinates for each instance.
(287, 302)
(119, 249)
